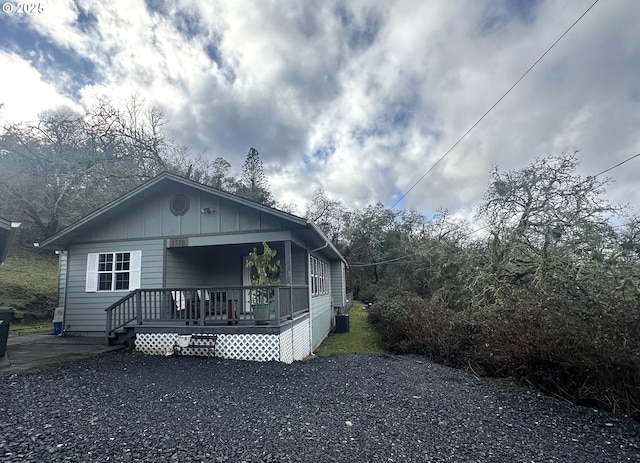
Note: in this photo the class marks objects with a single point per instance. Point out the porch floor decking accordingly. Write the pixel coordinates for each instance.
(215, 327)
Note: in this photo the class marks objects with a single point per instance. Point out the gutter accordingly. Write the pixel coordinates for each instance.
(326, 243)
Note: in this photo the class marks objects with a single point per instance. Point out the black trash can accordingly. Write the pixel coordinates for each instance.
(6, 315)
(342, 323)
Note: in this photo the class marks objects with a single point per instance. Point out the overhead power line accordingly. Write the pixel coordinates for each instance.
(487, 226)
(494, 105)
(617, 165)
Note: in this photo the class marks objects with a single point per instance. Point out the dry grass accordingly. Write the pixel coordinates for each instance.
(28, 283)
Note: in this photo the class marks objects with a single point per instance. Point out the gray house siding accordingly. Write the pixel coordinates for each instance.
(299, 264)
(225, 265)
(190, 235)
(153, 218)
(85, 311)
(321, 314)
(62, 279)
(183, 269)
(215, 265)
(338, 283)
(8, 231)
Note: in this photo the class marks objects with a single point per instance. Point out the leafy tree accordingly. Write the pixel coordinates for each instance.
(214, 173)
(253, 184)
(379, 243)
(220, 174)
(365, 237)
(446, 255)
(542, 210)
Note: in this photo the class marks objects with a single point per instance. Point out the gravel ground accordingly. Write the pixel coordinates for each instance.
(122, 407)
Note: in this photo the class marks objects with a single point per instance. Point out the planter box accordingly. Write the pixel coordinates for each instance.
(261, 313)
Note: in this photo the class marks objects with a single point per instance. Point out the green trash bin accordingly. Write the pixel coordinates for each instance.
(6, 314)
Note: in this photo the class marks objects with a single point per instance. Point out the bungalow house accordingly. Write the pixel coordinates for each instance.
(166, 265)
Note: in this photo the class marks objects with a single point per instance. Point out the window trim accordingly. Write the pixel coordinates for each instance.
(319, 275)
(93, 273)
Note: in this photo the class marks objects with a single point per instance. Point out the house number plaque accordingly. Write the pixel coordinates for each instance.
(178, 242)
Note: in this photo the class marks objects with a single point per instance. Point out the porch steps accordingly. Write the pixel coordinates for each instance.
(120, 336)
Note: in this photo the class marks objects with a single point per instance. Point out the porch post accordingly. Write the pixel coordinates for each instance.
(202, 306)
(109, 325)
(139, 306)
(287, 262)
(288, 273)
(277, 301)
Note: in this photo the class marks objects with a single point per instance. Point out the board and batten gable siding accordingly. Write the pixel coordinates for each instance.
(153, 218)
(85, 310)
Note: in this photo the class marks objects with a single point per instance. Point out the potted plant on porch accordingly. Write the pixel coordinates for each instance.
(263, 272)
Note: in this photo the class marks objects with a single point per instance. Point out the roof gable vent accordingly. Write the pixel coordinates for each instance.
(179, 205)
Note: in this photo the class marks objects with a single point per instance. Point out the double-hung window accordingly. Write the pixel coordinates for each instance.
(113, 271)
(319, 272)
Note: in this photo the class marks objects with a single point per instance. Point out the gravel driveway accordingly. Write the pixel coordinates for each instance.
(122, 407)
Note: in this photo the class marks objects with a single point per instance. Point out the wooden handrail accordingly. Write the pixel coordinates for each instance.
(116, 317)
(197, 305)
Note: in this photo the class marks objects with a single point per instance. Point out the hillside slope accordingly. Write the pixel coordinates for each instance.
(28, 284)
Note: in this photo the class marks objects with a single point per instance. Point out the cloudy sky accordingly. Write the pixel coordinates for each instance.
(360, 97)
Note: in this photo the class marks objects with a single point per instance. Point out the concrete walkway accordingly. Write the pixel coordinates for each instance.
(34, 352)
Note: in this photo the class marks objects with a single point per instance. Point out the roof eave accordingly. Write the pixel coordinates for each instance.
(56, 241)
(328, 242)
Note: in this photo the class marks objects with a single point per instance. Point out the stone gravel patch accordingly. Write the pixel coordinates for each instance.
(123, 407)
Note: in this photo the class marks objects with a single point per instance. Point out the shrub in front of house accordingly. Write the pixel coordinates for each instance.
(587, 357)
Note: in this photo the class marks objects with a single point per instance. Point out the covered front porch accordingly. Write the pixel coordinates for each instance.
(259, 323)
(213, 306)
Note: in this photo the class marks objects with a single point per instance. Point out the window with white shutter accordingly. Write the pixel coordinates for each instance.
(113, 271)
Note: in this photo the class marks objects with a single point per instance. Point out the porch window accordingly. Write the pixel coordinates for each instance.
(113, 271)
(319, 277)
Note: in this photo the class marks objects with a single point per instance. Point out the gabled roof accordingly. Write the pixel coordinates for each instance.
(7, 232)
(148, 189)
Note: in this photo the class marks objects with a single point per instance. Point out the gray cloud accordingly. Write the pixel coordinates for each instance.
(363, 97)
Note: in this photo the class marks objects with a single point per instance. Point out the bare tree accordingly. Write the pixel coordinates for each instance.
(328, 214)
(44, 168)
(59, 168)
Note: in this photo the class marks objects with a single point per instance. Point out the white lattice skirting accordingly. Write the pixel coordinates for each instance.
(291, 344)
